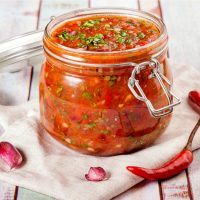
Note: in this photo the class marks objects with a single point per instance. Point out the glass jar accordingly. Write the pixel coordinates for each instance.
(106, 103)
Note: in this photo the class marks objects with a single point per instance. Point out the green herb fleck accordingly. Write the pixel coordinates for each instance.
(129, 41)
(64, 113)
(105, 131)
(78, 126)
(96, 40)
(87, 95)
(112, 80)
(107, 78)
(90, 23)
(81, 45)
(90, 125)
(123, 33)
(85, 116)
(129, 21)
(131, 138)
(84, 145)
(141, 35)
(111, 83)
(73, 141)
(121, 40)
(82, 36)
(64, 36)
(59, 90)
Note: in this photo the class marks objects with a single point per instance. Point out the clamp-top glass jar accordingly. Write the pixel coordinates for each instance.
(105, 102)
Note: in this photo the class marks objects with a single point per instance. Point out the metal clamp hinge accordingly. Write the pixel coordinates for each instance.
(133, 83)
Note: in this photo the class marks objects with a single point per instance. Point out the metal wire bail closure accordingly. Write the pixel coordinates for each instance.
(156, 73)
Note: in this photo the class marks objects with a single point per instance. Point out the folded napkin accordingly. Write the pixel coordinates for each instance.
(54, 170)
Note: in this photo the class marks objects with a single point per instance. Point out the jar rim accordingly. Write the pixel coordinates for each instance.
(81, 13)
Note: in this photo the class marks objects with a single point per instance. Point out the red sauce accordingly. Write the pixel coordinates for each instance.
(92, 110)
(106, 33)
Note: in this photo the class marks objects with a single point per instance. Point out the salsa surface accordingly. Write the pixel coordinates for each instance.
(105, 33)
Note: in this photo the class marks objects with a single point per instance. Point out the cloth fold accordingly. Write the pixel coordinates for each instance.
(54, 170)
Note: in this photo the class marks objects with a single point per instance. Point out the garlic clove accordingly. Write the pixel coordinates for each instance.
(95, 174)
(10, 155)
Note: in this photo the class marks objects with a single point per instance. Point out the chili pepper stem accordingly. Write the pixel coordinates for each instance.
(192, 134)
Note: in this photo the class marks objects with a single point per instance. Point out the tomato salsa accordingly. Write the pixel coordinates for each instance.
(90, 108)
(106, 33)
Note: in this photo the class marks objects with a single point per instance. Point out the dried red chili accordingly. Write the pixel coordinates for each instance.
(177, 164)
(181, 161)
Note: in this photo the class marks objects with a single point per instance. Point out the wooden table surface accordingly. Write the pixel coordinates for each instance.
(182, 18)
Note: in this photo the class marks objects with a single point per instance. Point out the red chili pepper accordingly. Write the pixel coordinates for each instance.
(177, 164)
(181, 161)
(194, 100)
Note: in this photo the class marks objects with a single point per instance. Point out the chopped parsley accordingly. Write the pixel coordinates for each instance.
(66, 36)
(123, 33)
(64, 113)
(82, 36)
(129, 22)
(112, 80)
(141, 35)
(90, 23)
(90, 125)
(87, 95)
(78, 126)
(96, 40)
(122, 37)
(129, 41)
(105, 131)
(121, 40)
(81, 45)
(85, 116)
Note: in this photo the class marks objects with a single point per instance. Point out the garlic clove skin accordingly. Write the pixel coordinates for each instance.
(95, 174)
(10, 155)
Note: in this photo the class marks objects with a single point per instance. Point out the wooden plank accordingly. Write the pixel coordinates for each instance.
(180, 18)
(194, 175)
(132, 4)
(17, 17)
(7, 191)
(24, 194)
(54, 8)
(176, 188)
(141, 191)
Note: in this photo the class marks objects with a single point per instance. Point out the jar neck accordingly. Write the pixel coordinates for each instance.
(75, 57)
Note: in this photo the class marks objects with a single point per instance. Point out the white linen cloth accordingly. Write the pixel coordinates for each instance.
(54, 170)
